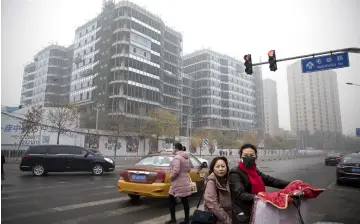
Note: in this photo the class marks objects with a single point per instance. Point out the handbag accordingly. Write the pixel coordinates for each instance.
(203, 217)
(193, 186)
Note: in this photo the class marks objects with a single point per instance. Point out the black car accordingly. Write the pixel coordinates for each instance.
(333, 159)
(41, 159)
(348, 168)
(95, 151)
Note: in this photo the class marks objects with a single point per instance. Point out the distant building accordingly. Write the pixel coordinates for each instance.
(314, 107)
(271, 108)
(224, 97)
(46, 80)
(126, 62)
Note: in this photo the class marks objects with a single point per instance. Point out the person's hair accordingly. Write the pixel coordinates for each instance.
(178, 146)
(183, 148)
(214, 161)
(248, 145)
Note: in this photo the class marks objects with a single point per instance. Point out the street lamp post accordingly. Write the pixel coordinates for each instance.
(352, 84)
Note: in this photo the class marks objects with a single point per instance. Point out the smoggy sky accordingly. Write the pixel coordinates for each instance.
(230, 27)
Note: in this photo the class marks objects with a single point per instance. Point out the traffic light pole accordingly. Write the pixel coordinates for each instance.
(350, 50)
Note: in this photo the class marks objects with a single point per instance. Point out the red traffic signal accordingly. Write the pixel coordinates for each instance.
(271, 53)
(248, 64)
(272, 60)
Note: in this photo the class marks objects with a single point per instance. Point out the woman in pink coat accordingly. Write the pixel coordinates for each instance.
(180, 183)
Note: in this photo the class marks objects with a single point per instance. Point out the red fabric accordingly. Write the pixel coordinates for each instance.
(281, 198)
(257, 184)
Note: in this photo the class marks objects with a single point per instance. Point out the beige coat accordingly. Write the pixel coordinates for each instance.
(217, 200)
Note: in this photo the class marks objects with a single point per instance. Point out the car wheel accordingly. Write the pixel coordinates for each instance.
(38, 170)
(134, 196)
(97, 169)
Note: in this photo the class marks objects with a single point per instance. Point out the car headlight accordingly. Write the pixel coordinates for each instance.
(108, 160)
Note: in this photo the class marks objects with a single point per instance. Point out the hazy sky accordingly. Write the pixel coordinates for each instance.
(291, 27)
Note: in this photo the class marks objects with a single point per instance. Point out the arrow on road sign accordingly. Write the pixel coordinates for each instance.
(206, 142)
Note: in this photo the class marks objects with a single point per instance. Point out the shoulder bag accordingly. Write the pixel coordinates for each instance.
(203, 217)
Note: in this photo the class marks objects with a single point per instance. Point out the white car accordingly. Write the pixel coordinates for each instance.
(200, 159)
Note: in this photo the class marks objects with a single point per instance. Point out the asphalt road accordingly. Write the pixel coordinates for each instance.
(83, 198)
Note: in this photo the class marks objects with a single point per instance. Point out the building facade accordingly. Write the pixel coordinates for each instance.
(314, 107)
(187, 104)
(224, 96)
(259, 103)
(46, 80)
(271, 108)
(127, 62)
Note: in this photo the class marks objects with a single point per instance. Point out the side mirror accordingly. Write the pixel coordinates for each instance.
(86, 154)
(204, 165)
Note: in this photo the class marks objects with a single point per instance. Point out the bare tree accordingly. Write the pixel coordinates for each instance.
(118, 126)
(162, 123)
(31, 123)
(61, 118)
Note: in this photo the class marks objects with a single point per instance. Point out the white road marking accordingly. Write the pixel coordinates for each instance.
(103, 215)
(164, 218)
(63, 208)
(52, 193)
(47, 187)
(17, 204)
(345, 189)
(331, 185)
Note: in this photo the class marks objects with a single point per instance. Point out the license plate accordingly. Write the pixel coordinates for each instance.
(356, 170)
(138, 177)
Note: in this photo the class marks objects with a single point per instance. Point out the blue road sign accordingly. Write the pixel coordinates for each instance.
(357, 132)
(206, 142)
(326, 62)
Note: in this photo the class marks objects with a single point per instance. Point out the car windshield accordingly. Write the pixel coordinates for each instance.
(351, 159)
(155, 161)
(97, 152)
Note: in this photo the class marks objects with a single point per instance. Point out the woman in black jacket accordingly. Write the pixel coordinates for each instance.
(246, 181)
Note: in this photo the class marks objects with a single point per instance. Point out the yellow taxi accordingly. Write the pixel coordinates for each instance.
(150, 176)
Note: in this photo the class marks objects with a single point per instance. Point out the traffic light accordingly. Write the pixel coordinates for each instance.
(272, 61)
(248, 64)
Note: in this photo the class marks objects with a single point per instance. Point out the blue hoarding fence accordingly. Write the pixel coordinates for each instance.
(327, 62)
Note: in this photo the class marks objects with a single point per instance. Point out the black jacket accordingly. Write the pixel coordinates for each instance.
(241, 196)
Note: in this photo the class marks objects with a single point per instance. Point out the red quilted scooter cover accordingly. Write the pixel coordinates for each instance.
(281, 198)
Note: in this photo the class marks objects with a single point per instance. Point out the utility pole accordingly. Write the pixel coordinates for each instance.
(352, 84)
(350, 50)
(97, 119)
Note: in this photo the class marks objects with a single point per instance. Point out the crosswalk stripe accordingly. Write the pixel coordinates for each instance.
(51, 193)
(164, 218)
(63, 208)
(45, 187)
(104, 215)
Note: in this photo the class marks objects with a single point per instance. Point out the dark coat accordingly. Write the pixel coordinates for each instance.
(241, 197)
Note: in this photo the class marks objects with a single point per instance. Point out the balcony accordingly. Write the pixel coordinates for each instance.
(86, 73)
(78, 60)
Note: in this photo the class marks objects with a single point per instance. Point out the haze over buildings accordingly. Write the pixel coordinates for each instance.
(271, 108)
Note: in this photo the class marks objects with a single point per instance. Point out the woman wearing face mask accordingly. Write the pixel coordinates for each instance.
(217, 193)
(246, 181)
(180, 187)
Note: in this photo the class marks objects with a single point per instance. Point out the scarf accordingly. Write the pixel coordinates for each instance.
(257, 184)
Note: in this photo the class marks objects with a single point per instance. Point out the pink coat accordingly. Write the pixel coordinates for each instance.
(180, 179)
